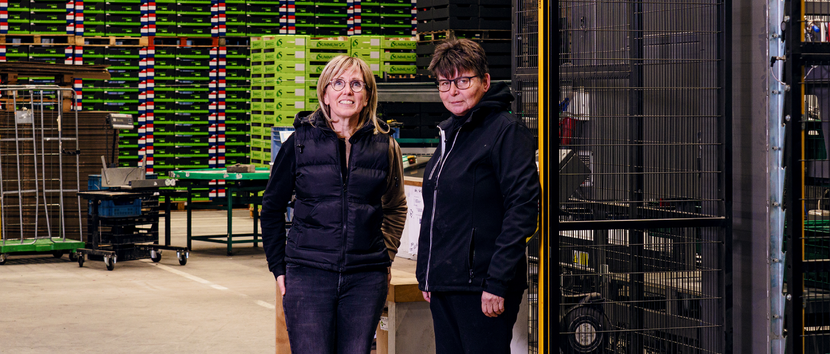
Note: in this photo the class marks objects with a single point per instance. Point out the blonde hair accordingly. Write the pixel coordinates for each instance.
(339, 65)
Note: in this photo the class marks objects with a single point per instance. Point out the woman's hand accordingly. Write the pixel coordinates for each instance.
(491, 305)
(388, 276)
(281, 284)
(427, 295)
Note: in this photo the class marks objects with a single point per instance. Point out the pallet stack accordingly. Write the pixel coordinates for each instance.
(285, 70)
(485, 21)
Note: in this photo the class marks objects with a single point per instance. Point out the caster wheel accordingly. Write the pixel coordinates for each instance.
(3, 257)
(110, 262)
(80, 260)
(73, 256)
(155, 255)
(57, 254)
(182, 256)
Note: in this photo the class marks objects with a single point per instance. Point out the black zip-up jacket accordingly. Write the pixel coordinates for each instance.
(481, 191)
(343, 213)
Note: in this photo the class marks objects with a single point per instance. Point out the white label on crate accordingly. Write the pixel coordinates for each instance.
(299, 104)
(299, 67)
(374, 42)
(299, 79)
(299, 92)
(299, 41)
(299, 54)
(384, 323)
(374, 55)
(374, 67)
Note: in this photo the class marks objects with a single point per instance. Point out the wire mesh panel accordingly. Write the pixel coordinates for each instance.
(815, 258)
(642, 176)
(525, 65)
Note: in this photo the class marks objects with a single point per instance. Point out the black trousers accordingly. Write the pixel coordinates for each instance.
(461, 327)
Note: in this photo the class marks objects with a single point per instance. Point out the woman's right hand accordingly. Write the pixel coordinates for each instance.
(281, 284)
(427, 295)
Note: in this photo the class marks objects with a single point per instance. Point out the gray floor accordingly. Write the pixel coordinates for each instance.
(215, 303)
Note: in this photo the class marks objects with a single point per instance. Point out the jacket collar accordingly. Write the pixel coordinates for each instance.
(497, 98)
(317, 120)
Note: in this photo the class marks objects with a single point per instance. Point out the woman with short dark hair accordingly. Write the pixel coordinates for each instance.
(346, 171)
(480, 191)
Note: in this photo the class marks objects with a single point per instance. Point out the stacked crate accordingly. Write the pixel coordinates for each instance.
(387, 17)
(263, 17)
(390, 58)
(485, 21)
(439, 15)
(279, 88)
(420, 120)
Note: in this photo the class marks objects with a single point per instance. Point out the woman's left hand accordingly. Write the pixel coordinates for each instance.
(388, 276)
(491, 305)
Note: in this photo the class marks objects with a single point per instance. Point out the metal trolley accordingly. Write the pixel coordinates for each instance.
(39, 176)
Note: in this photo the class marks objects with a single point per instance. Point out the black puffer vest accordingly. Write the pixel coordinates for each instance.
(337, 221)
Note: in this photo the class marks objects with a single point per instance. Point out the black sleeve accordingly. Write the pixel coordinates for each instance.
(514, 160)
(274, 203)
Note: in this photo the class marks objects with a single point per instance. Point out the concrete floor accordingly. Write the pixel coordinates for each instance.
(215, 303)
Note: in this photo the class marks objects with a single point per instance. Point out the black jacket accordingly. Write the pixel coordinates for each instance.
(338, 211)
(481, 191)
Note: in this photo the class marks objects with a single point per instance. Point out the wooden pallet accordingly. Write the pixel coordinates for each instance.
(484, 35)
(110, 41)
(45, 39)
(182, 41)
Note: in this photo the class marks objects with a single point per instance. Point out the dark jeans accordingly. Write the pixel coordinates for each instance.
(330, 312)
(461, 327)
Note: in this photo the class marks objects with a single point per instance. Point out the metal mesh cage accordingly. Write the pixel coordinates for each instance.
(641, 176)
(525, 84)
(815, 236)
(816, 274)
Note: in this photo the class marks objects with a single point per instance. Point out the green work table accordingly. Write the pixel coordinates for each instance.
(239, 188)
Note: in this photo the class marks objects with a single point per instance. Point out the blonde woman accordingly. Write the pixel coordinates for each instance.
(332, 267)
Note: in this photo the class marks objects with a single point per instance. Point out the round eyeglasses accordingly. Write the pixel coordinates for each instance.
(461, 83)
(340, 84)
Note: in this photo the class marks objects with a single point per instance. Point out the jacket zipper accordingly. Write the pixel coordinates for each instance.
(471, 256)
(345, 206)
(439, 166)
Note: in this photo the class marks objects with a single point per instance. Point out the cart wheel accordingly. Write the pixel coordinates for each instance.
(80, 260)
(155, 255)
(182, 256)
(57, 254)
(3, 258)
(73, 256)
(110, 262)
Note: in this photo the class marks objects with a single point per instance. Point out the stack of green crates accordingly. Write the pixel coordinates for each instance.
(285, 70)
(278, 88)
(387, 57)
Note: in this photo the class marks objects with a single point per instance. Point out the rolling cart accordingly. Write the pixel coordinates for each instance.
(123, 218)
(38, 165)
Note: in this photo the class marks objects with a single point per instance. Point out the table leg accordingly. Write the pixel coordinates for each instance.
(230, 220)
(167, 220)
(256, 220)
(94, 232)
(189, 209)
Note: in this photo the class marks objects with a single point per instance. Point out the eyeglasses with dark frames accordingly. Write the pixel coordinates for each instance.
(462, 83)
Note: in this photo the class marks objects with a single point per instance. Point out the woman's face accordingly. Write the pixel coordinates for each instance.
(459, 102)
(346, 103)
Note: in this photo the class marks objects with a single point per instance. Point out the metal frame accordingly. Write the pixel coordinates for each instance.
(56, 243)
(637, 67)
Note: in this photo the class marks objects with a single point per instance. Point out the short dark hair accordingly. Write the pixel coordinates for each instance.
(457, 55)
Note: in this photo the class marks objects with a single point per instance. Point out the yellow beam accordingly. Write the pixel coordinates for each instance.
(545, 222)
